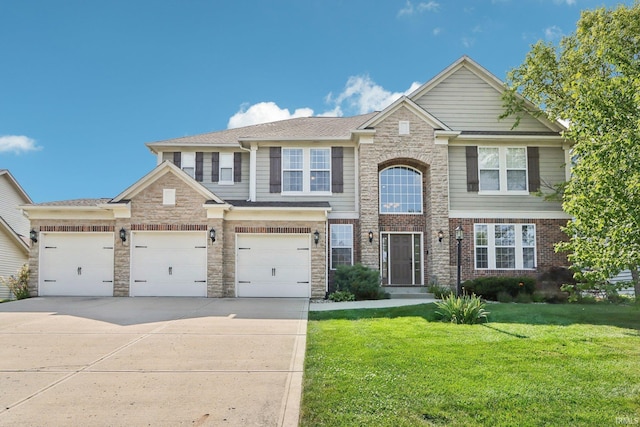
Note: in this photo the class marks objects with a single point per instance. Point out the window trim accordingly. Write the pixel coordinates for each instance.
(306, 172)
(380, 207)
(224, 164)
(503, 171)
(332, 246)
(188, 161)
(491, 246)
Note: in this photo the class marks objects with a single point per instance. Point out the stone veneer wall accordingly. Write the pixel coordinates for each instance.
(548, 233)
(318, 258)
(391, 148)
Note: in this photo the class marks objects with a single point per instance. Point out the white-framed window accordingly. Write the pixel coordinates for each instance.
(225, 169)
(341, 245)
(188, 163)
(505, 246)
(502, 170)
(306, 170)
(400, 190)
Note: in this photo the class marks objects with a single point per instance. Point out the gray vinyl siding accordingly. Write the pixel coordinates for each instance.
(340, 202)
(465, 102)
(9, 207)
(12, 258)
(551, 171)
(237, 191)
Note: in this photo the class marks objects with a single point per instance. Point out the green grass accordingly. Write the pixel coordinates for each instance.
(532, 365)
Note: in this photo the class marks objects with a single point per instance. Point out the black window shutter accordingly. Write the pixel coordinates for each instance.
(275, 170)
(533, 168)
(199, 169)
(237, 167)
(215, 166)
(472, 168)
(337, 185)
(177, 159)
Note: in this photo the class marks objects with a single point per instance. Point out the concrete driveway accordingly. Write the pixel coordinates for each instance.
(151, 361)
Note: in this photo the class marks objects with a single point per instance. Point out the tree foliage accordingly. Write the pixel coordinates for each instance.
(592, 80)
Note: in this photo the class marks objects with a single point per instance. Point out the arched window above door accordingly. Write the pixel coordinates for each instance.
(400, 190)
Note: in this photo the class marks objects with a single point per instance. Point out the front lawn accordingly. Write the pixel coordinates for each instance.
(532, 365)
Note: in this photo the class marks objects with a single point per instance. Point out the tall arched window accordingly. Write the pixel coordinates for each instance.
(400, 190)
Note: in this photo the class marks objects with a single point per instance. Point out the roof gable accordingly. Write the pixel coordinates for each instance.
(6, 175)
(13, 236)
(412, 106)
(158, 172)
(467, 97)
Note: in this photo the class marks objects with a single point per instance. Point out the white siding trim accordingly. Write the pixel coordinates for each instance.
(509, 214)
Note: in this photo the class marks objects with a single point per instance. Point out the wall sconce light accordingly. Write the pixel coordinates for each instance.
(123, 235)
(440, 236)
(33, 235)
(316, 237)
(370, 236)
(212, 235)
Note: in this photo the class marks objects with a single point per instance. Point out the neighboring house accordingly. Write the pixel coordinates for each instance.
(272, 209)
(14, 228)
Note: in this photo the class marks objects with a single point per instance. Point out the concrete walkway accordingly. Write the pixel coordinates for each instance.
(151, 361)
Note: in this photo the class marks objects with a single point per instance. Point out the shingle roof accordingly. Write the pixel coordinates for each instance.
(303, 128)
(75, 202)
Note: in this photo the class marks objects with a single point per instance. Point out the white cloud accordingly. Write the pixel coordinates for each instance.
(467, 42)
(17, 144)
(264, 112)
(411, 9)
(362, 95)
(437, 31)
(553, 33)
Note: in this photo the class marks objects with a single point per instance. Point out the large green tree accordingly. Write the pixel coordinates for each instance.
(592, 80)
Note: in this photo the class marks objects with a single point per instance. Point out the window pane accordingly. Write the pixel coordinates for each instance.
(226, 174)
(528, 258)
(341, 244)
(320, 181)
(505, 258)
(292, 158)
(482, 239)
(482, 258)
(505, 235)
(516, 180)
(400, 190)
(292, 181)
(320, 159)
(340, 256)
(489, 158)
(528, 235)
(489, 180)
(516, 158)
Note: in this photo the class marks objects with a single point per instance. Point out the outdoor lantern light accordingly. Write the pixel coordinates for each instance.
(440, 236)
(33, 235)
(212, 235)
(316, 237)
(459, 237)
(370, 236)
(123, 235)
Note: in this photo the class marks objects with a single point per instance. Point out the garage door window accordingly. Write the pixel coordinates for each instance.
(341, 245)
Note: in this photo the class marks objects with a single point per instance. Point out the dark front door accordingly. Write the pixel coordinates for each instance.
(401, 246)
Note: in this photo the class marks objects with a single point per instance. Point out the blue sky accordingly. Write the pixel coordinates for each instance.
(85, 84)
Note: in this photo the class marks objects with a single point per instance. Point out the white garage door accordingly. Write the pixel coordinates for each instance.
(169, 263)
(76, 264)
(273, 265)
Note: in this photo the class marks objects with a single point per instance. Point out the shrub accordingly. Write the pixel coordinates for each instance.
(504, 297)
(490, 287)
(361, 281)
(523, 298)
(439, 291)
(339, 296)
(466, 309)
(19, 286)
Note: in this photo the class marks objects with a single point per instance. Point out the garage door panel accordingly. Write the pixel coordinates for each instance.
(76, 264)
(273, 265)
(169, 264)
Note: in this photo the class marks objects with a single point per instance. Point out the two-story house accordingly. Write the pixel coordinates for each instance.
(272, 209)
(14, 228)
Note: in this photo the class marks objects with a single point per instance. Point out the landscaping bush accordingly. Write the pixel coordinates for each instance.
(361, 281)
(490, 287)
(439, 291)
(19, 286)
(340, 296)
(466, 309)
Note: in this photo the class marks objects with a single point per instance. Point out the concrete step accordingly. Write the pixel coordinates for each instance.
(407, 292)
